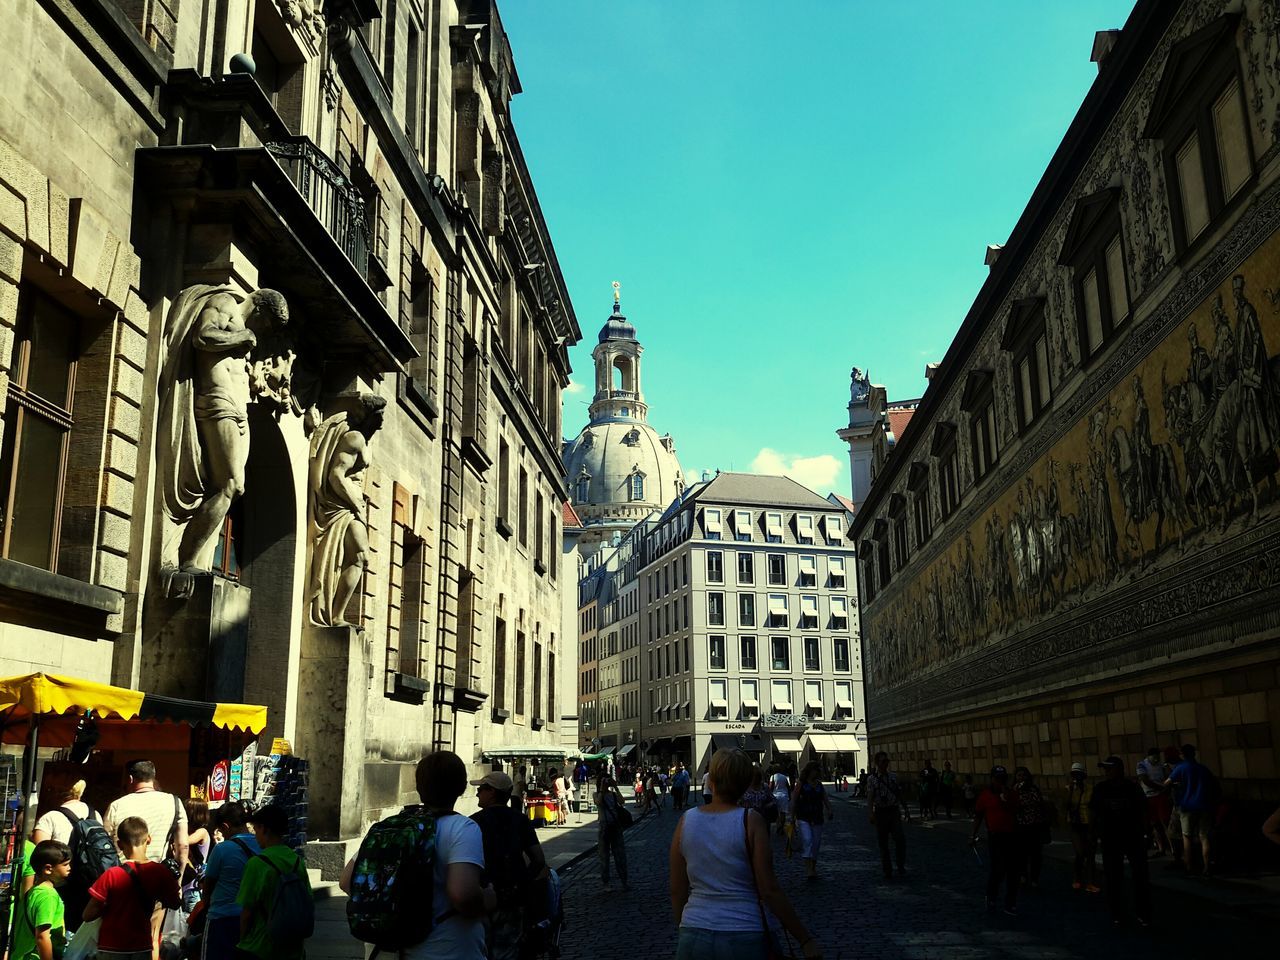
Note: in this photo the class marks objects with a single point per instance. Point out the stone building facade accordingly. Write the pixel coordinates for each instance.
(1071, 552)
(286, 340)
(749, 627)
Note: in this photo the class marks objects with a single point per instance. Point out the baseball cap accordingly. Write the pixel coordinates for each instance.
(1077, 767)
(1112, 762)
(496, 779)
(999, 771)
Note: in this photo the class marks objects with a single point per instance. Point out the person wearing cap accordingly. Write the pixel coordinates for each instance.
(514, 862)
(1083, 841)
(1197, 790)
(997, 807)
(1118, 811)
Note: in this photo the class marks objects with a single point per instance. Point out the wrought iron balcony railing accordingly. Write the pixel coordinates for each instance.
(329, 193)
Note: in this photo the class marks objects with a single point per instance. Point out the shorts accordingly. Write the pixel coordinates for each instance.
(1196, 823)
(1159, 808)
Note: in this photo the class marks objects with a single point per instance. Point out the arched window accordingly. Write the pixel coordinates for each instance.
(637, 486)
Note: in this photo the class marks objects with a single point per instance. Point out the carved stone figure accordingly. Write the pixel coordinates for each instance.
(339, 535)
(859, 385)
(210, 339)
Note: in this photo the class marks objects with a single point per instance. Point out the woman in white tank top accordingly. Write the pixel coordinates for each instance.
(722, 881)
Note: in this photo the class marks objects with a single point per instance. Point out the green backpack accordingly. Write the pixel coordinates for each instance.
(392, 881)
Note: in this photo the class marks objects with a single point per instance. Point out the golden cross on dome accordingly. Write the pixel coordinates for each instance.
(617, 292)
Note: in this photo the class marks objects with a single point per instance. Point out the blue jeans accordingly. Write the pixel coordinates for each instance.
(697, 944)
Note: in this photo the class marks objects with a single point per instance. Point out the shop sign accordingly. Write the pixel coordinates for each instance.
(218, 781)
(281, 747)
(830, 727)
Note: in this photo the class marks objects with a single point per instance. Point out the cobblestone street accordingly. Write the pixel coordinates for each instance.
(937, 911)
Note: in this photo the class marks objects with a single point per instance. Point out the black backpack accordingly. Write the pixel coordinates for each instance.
(93, 852)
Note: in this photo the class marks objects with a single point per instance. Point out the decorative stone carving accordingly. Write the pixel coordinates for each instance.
(212, 370)
(303, 15)
(336, 509)
(859, 386)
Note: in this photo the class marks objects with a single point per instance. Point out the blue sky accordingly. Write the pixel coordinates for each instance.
(785, 196)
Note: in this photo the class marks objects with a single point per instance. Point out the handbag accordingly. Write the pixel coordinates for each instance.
(773, 948)
(625, 819)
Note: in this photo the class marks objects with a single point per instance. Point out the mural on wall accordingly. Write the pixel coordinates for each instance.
(1181, 453)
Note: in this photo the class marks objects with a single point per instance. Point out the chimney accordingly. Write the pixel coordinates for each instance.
(1104, 41)
(993, 253)
(930, 370)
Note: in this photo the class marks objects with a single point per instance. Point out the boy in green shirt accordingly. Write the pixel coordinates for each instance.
(39, 933)
(258, 887)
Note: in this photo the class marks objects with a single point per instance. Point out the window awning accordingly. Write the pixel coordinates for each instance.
(809, 606)
(836, 564)
(808, 564)
(782, 706)
(787, 745)
(813, 704)
(844, 704)
(517, 751)
(833, 742)
(719, 704)
(773, 524)
(777, 606)
(751, 702)
(660, 744)
(625, 749)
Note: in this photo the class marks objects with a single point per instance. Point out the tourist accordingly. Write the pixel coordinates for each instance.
(997, 807)
(59, 824)
(611, 815)
(259, 884)
(125, 897)
(947, 787)
(780, 785)
(39, 930)
(968, 793)
(706, 786)
(653, 790)
(722, 877)
(810, 808)
(1152, 775)
(513, 859)
(928, 791)
(199, 841)
(560, 790)
(522, 785)
(759, 797)
(680, 787)
(862, 784)
(1118, 811)
(1033, 825)
(1173, 826)
(885, 808)
(1083, 840)
(1197, 790)
(221, 882)
(161, 812)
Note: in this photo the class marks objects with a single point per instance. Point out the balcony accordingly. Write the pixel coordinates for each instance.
(330, 195)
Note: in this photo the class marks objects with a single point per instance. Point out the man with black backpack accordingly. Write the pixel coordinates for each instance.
(277, 910)
(514, 865)
(93, 850)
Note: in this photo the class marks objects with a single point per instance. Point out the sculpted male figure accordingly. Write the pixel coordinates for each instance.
(340, 538)
(211, 332)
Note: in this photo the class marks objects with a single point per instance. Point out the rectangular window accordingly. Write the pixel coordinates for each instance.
(742, 524)
(779, 616)
(808, 613)
(537, 679)
(504, 484)
(718, 697)
(840, 654)
(948, 485)
(812, 655)
(773, 527)
(920, 510)
(524, 507)
(715, 652)
(746, 569)
(520, 672)
(777, 570)
(500, 663)
(747, 653)
(836, 573)
(808, 571)
(711, 523)
(1195, 204)
(835, 530)
(38, 424)
(746, 609)
(715, 566)
(813, 698)
(1093, 333)
(900, 546)
(1233, 140)
(780, 648)
(982, 435)
(839, 613)
(804, 528)
(780, 695)
(539, 533)
(750, 699)
(715, 609)
(1119, 295)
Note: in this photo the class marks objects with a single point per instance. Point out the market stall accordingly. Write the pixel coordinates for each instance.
(531, 765)
(73, 729)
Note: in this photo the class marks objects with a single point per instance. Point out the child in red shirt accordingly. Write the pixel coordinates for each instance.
(997, 806)
(125, 897)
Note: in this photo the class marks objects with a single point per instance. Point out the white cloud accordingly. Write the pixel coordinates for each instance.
(574, 387)
(817, 473)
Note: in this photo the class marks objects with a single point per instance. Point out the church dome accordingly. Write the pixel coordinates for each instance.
(620, 471)
(617, 327)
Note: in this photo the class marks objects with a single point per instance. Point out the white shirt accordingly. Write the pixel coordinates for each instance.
(156, 809)
(1156, 772)
(458, 840)
(55, 826)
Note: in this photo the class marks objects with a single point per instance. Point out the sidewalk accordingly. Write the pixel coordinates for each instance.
(1256, 896)
(565, 848)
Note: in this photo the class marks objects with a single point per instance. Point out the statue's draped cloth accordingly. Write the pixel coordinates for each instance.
(329, 518)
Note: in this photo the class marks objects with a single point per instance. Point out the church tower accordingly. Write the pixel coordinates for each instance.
(619, 470)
